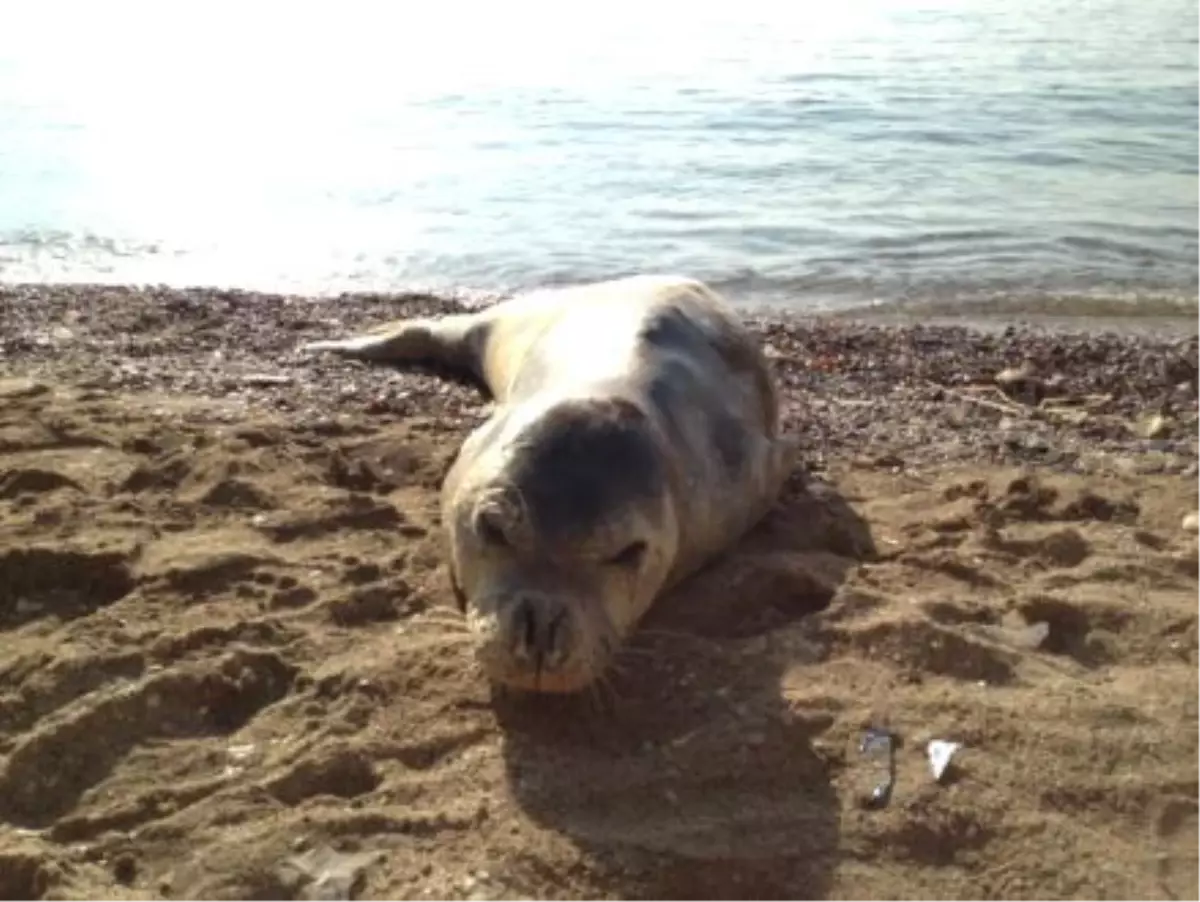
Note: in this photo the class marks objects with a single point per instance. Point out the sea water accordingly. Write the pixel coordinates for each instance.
(809, 154)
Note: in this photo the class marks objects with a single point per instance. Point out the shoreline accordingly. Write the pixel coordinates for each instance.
(1126, 310)
(231, 665)
(846, 382)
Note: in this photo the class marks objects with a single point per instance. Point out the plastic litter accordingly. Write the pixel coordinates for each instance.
(325, 873)
(940, 752)
(1033, 635)
(880, 743)
(1018, 633)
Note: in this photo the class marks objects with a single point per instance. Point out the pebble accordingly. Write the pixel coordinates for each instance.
(241, 753)
(1191, 523)
(1035, 443)
(1155, 427)
(1013, 375)
(877, 380)
(22, 388)
(26, 608)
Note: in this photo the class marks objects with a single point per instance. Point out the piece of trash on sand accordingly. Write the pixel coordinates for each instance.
(1032, 635)
(940, 752)
(325, 873)
(1016, 631)
(880, 744)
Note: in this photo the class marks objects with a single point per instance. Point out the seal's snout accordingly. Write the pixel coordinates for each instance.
(540, 631)
(540, 640)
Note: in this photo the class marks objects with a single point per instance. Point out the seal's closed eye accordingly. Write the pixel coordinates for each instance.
(490, 531)
(629, 556)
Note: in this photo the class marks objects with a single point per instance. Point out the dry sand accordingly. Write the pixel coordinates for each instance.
(228, 667)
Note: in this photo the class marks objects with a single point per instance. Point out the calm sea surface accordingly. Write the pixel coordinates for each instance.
(813, 154)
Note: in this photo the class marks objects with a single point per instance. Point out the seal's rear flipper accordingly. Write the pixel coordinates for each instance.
(454, 342)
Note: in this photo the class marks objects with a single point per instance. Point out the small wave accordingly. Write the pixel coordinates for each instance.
(1046, 158)
(61, 243)
(1076, 307)
(929, 239)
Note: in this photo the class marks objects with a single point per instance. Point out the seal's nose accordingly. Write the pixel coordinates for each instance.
(540, 631)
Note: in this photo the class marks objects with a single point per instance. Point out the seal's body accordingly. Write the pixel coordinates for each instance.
(635, 436)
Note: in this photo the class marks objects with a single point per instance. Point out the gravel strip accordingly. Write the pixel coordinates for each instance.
(873, 394)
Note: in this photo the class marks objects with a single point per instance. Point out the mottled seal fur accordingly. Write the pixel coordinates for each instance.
(635, 436)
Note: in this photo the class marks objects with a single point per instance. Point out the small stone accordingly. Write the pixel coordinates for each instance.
(1020, 380)
(16, 388)
(266, 379)
(1014, 373)
(1126, 465)
(239, 754)
(1036, 443)
(1156, 426)
(26, 608)
(1191, 523)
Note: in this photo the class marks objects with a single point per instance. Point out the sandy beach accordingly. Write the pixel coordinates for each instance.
(229, 665)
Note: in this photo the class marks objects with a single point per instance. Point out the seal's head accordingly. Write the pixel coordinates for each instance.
(562, 530)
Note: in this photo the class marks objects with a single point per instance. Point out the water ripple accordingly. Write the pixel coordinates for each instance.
(872, 150)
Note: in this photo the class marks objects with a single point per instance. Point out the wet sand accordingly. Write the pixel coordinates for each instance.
(229, 663)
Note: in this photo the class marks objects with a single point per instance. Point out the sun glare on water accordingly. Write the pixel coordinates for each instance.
(160, 104)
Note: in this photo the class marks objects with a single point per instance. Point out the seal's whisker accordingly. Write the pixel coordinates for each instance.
(439, 621)
(436, 616)
(594, 697)
(429, 631)
(633, 652)
(604, 695)
(447, 638)
(425, 623)
(674, 635)
(671, 634)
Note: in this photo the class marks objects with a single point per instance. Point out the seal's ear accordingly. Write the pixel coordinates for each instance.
(622, 410)
(627, 410)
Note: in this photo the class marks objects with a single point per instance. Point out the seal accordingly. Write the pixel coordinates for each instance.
(635, 437)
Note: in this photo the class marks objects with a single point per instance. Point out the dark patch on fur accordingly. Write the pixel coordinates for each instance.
(699, 333)
(669, 391)
(672, 329)
(678, 387)
(583, 459)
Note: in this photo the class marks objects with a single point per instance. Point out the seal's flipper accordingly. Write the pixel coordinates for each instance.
(455, 342)
(786, 458)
